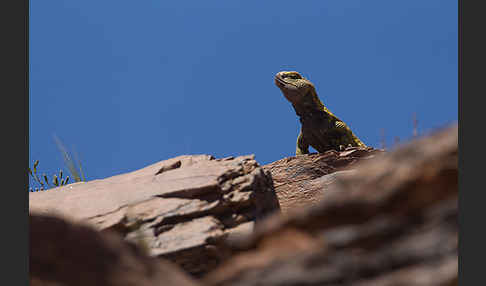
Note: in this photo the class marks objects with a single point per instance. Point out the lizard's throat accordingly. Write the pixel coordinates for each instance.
(307, 112)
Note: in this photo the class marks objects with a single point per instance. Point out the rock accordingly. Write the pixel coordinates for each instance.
(303, 180)
(391, 222)
(65, 253)
(180, 209)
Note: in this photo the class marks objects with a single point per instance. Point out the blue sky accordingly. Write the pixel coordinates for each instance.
(130, 83)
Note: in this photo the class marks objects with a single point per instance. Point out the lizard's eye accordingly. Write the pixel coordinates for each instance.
(292, 76)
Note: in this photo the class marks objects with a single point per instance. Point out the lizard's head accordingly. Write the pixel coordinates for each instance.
(294, 87)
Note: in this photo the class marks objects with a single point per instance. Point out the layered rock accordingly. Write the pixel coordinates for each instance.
(180, 209)
(391, 222)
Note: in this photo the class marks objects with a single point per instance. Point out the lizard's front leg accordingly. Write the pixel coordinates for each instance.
(302, 146)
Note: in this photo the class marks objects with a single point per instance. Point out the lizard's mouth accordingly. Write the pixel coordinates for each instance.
(280, 82)
(288, 89)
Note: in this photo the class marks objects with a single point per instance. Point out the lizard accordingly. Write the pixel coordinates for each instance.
(320, 128)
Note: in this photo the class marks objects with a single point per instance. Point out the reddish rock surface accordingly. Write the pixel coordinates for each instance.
(303, 180)
(179, 209)
(391, 222)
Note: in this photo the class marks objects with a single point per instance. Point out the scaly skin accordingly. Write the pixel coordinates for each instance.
(320, 128)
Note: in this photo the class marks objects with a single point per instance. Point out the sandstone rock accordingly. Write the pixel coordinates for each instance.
(302, 181)
(63, 253)
(392, 222)
(180, 209)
